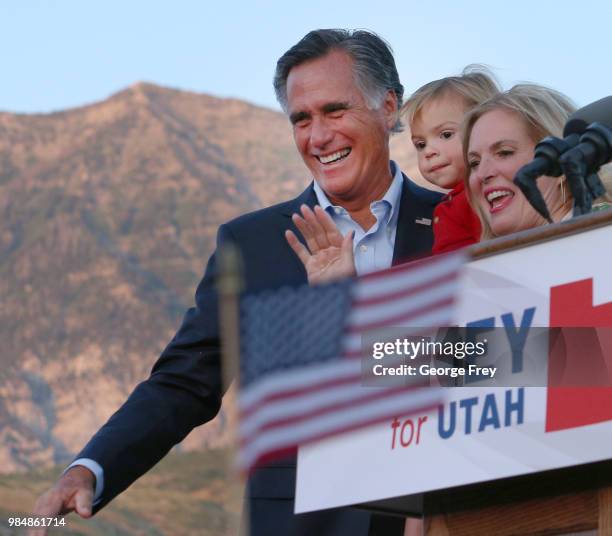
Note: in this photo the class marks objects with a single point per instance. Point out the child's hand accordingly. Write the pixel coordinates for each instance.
(329, 255)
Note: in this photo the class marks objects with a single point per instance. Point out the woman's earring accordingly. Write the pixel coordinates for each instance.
(563, 191)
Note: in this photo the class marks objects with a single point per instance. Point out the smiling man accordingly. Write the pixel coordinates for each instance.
(342, 92)
(343, 138)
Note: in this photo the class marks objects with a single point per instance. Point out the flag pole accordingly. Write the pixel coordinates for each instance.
(229, 285)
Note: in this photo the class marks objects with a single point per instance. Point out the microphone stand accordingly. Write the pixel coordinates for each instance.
(581, 163)
(545, 162)
(578, 158)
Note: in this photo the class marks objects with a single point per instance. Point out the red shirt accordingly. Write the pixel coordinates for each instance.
(455, 223)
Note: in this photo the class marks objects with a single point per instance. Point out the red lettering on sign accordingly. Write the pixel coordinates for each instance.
(409, 430)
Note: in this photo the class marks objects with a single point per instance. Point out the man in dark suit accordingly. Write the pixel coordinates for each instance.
(341, 92)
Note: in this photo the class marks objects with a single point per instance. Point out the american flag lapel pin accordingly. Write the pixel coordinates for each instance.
(423, 221)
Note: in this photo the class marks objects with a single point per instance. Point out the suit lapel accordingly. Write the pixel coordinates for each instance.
(307, 197)
(412, 239)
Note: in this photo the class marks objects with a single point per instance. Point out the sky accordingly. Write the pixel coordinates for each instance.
(62, 54)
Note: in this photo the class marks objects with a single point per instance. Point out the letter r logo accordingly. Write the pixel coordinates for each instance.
(581, 352)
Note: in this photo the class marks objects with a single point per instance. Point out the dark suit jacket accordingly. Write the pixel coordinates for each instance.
(185, 389)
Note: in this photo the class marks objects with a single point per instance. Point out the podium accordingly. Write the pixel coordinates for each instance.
(568, 501)
(523, 461)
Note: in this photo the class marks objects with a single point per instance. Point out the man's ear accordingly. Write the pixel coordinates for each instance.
(389, 107)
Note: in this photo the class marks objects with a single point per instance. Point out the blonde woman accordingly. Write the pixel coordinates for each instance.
(499, 137)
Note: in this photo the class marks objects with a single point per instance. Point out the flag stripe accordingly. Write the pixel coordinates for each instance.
(373, 299)
(404, 276)
(281, 396)
(339, 422)
(443, 300)
(388, 307)
(308, 405)
(438, 317)
(287, 382)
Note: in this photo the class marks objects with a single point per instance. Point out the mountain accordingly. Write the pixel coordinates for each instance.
(109, 213)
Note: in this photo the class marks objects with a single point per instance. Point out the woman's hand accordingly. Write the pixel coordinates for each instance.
(329, 255)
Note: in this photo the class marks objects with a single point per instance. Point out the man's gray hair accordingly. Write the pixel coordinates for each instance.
(373, 64)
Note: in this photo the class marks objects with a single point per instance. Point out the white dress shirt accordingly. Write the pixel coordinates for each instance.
(373, 249)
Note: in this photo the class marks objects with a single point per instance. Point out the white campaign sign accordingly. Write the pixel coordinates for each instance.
(481, 433)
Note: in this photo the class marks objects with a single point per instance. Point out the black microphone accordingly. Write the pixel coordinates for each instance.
(581, 163)
(548, 153)
(597, 112)
(545, 162)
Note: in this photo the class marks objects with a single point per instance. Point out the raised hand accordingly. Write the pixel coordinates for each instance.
(329, 255)
(73, 492)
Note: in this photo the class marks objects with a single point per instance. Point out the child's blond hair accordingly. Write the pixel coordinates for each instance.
(475, 84)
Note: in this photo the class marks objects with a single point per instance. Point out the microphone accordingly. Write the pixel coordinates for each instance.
(597, 112)
(545, 162)
(581, 163)
(548, 159)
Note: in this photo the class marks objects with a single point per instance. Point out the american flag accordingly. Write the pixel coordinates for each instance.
(301, 374)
